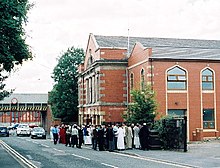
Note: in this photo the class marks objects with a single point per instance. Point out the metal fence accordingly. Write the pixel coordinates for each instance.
(174, 134)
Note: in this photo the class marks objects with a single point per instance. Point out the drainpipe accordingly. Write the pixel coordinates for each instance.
(127, 86)
(82, 100)
(151, 69)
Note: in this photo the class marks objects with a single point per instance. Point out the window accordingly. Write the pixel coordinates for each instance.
(142, 80)
(178, 112)
(90, 90)
(87, 91)
(176, 79)
(97, 88)
(131, 81)
(90, 61)
(207, 80)
(208, 119)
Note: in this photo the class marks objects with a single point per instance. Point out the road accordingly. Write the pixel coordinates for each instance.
(43, 153)
(6, 160)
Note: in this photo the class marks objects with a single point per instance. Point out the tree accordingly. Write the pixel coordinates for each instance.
(143, 107)
(64, 96)
(13, 49)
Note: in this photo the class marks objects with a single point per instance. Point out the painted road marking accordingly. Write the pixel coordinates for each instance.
(158, 161)
(29, 157)
(109, 165)
(44, 145)
(17, 155)
(59, 150)
(81, 157)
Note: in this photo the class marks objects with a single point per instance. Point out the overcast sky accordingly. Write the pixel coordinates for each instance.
(55, 25)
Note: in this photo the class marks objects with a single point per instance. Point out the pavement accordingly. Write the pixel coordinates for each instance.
(200, 154)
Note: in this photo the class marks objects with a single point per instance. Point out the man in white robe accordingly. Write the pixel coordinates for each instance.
(128, 137)
(136, 136)
(120, 141)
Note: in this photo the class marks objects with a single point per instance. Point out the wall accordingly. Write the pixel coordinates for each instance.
(193, 99)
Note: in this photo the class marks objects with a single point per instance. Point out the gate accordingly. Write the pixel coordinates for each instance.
(174, 134)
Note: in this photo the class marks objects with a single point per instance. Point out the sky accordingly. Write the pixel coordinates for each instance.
(55, 25)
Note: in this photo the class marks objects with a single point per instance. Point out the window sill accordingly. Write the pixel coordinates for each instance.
(210, 130)
(176, 91)
(208, 91)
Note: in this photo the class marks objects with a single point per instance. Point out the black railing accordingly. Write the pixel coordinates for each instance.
(174, 133)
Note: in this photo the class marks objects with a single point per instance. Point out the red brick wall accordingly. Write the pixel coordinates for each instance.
(177, 100)
(114, 85)
(91, 50)
(136, 62)
(208, 100)
(192, 100)
(138, 54)
(194, 92)
(113, 113)
(113, 54)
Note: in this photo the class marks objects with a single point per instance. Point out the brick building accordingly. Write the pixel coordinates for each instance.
(25, 108)
(103, 69)
(184, 73)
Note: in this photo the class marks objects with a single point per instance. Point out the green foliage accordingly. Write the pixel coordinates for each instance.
(13, 49)
(143, 107)
(170, 135)
(64, 96)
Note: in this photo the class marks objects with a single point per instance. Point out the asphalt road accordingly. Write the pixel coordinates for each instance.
(43, 153)
(6, 160)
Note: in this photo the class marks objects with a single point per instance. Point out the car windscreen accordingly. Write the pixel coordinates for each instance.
(38, 129)
(23, 126)
(3, 129)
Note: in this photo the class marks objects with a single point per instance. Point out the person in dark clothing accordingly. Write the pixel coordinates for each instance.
(110, 138)
(144, 137)
(74, 136)
(95, 138)
(55, 132)
(115, 130)
(80, 135)
(105, 137)
(101, 138)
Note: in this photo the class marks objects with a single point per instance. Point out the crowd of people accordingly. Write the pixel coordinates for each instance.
(102, 137)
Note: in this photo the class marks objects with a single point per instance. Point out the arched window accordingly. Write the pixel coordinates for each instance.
(142, 80)
(90, 61)
(131, 81)
(207, 80)
(176, 79)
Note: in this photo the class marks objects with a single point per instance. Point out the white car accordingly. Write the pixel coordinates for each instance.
(38, 132)
(23, 129)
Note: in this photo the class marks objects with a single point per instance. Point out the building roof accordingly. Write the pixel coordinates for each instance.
(170, 48)
(26, 98)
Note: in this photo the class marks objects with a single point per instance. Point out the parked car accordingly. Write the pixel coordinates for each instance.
(33, 125)
(4, 131)
(23, 129)
(13, 127)
(38, 132)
